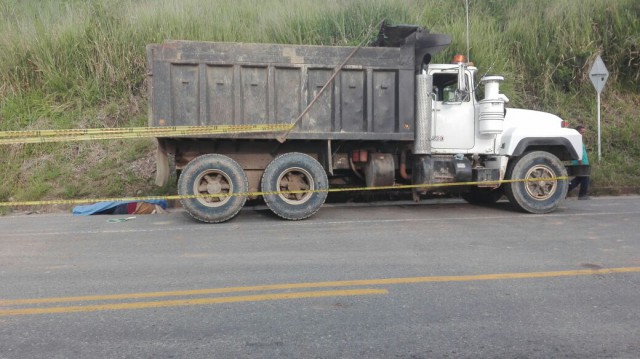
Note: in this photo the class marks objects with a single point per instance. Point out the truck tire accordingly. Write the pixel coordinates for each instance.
(294, 172)
(483, 195)
(542, 196)
(212, 174)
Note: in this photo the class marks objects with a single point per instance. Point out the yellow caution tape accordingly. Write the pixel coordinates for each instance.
(256, 194)
(73, 135)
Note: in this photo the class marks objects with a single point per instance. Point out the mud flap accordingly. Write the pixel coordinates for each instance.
(162, 164)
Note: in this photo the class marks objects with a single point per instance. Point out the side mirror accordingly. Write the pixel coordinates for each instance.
(462, 93)
(462, 84)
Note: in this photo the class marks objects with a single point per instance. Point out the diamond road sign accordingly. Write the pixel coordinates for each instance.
(598, 74)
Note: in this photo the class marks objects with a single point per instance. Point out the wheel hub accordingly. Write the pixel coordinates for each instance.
(213, 182)
(540, 183)
(293, 180)
(214, 188)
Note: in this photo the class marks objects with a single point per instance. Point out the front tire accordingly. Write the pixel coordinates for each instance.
(296, 172)
(537, 189)
(216, 175)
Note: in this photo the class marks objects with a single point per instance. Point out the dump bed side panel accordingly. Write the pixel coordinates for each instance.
(199, 83)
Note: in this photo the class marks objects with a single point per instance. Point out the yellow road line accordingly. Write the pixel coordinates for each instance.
(191, 302)
(309, 285)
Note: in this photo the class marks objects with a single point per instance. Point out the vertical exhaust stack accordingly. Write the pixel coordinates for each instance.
(422, 168)
(424, 114)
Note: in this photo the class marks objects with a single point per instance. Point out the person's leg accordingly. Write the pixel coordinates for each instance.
(573, 184)
(584, 186)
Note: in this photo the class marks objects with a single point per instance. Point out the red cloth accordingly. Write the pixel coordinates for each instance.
(131, 207)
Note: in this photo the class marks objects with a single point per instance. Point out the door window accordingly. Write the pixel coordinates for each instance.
(445, 86)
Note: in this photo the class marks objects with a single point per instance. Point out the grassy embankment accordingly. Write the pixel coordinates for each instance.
(77, 64)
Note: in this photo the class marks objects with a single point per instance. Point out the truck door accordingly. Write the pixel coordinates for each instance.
(453, 117)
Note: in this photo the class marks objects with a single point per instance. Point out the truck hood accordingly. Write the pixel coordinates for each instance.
(535, 126)
(539, 120)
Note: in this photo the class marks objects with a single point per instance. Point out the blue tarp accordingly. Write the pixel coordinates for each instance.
(102, 207)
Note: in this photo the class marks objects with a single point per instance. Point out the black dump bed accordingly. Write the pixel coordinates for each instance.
(207, 83)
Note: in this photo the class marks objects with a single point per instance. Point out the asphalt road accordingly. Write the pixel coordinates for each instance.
(439, 279)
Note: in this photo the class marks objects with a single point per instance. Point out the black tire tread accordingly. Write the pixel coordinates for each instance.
(281, 164)
(515, 191)
(212, 161)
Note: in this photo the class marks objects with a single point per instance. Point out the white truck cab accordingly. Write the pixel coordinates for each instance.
(464, 123)
(522, 148)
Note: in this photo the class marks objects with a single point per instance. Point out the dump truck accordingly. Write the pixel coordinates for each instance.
(374, 116)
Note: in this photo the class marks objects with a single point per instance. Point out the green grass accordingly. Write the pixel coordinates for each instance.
(76, 63)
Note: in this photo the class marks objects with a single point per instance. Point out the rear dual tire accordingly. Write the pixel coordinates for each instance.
(295, 186)
(213, 174)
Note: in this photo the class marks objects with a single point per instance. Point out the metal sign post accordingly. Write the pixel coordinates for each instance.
(599, 75)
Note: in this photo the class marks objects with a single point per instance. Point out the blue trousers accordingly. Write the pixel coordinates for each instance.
(583, 182)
